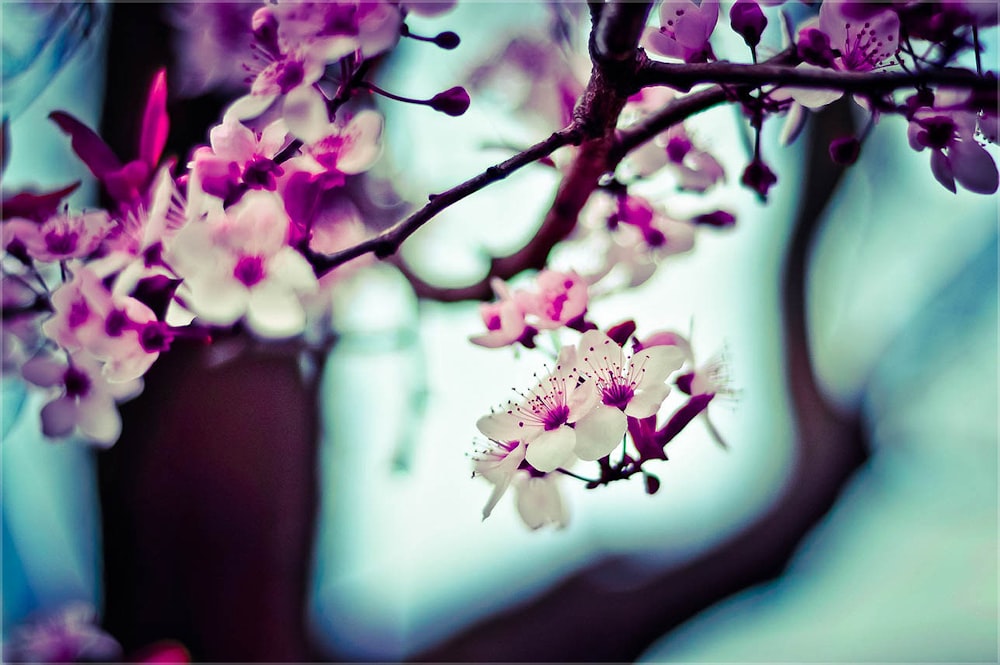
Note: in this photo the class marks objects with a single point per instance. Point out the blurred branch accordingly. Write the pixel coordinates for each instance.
(387, 243)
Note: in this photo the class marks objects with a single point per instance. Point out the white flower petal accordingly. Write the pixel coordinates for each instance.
(504, 427)
(552, 449)
(646, 402)
(539, 502)
(305, 112)
(599, 432)
(249, 106)
(99, 420)
(655, 364)
(364, 133)
(274, 311)
(598, 350)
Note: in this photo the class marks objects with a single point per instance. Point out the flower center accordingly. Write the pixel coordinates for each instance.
(249, 270)
(555, 417)
(617, 394)
(58, 242)
(77, 383)
(260, 173)
(291, 75)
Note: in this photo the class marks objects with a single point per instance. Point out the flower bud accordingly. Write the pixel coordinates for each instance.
(814, 48)
(759, 178)
(447, 40)
(845, 150)
(748, 20)
(453, 102)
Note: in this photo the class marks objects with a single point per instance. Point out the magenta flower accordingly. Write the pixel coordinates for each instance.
(685, 29)
(126, 183)
(956, 156)
(237, 156)
(69, 635)
(561, 298)
(83, 397)
(62, 236)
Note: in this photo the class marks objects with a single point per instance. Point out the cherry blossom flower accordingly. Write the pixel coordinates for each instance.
(949, 130)
(237, 265)
(542, 421)
(62, 236)
(237, 156)
(339, 149)
(539, 501)
(69, 635)
(113, 329)
(84, 397)
(561, 297)
(636, 388)
(685, 28)
(291, 78)
(504, 319)
(706, 380)
(498, 463)
(332, 30)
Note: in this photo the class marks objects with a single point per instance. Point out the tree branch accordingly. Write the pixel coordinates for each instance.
(388, 242)
(684, 76)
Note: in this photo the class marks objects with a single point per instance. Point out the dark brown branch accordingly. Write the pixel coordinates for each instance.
(684, 76)
(387, 243)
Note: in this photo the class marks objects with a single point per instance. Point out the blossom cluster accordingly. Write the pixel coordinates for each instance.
(249, 232)
(92, 298)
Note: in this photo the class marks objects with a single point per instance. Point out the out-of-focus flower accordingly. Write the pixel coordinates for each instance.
(685, 29)
(238, 265)
(69, 635)
(84, 399)
(62, 236)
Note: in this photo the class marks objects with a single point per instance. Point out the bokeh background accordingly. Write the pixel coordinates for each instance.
(901, 294)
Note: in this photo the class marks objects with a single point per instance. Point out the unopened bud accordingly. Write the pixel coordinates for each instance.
(759, 178)
(748, 20)
(447, 40)
(845, 150)
(453, 102)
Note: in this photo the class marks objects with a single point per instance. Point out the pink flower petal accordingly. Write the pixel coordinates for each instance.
(599, 432)
(552, 449)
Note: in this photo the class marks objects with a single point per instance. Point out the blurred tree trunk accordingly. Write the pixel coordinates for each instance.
(208, 502)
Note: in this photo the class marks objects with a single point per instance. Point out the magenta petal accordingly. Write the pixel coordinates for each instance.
(941, 168)
(90, 147)
(973, 167)
(155, 123)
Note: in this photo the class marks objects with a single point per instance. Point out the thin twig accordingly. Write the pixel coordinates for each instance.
(388, 242)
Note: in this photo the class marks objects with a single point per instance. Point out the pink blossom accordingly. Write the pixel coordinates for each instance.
(237, 265)
(504, 319)
(685, 29)
(865, 34)
(561, 297)
(341, 149)
(84, 398)
(237, 156)
(956, 157)
(62, 236)
(114, 329)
